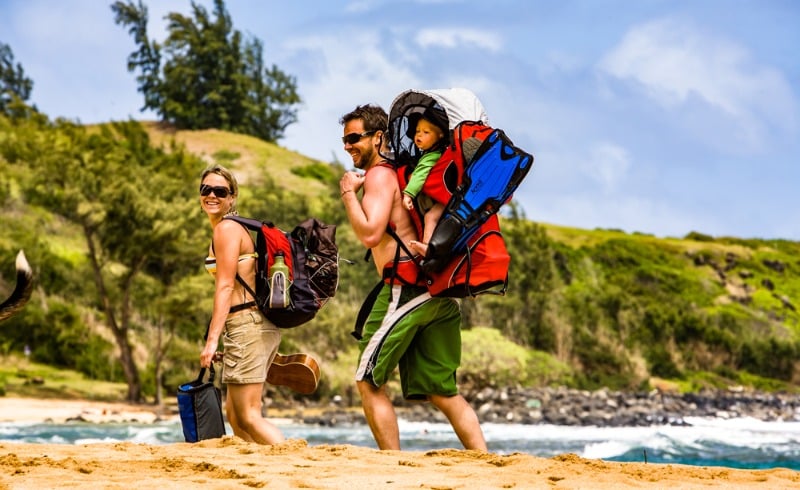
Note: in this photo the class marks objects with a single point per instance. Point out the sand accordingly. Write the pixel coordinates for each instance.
(230, 462)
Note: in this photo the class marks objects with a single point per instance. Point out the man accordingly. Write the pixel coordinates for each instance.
(405, 327)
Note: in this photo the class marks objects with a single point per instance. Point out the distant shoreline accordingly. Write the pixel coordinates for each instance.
(35, 410)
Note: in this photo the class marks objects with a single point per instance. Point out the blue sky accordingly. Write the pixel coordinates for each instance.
(656, 116)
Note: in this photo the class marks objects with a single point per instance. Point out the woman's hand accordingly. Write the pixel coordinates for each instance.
(208, 355)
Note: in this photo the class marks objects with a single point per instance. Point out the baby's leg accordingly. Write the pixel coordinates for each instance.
(418, 247)
(431, 219)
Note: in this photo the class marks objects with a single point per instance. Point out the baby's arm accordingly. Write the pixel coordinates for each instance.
(408, 202)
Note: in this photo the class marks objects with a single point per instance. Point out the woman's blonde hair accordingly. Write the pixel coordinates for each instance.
(228, 176)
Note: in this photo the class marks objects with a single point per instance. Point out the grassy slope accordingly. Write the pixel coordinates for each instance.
(21, 377)
(755, 281)
(251, 155)
(730, 270)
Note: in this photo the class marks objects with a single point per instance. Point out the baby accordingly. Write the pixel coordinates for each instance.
(430, 137)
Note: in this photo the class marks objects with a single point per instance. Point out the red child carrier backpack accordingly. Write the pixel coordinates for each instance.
(477, 173)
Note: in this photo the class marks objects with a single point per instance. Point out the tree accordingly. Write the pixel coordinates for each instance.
(147, 58)
(13, 82)
(137, 211)
(532, 278)
(212, 77)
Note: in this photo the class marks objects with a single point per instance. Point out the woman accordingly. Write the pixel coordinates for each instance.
(250, 341)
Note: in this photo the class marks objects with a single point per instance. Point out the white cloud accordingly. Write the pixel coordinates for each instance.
(679, 65)
(607, 164)
(340, 82)
(457, 37)
(359, 6)
(599, 168)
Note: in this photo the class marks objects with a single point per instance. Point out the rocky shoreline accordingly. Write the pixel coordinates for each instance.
(532, 406)
(602, 408)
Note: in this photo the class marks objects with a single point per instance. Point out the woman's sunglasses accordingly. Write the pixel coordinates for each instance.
(218, 191)
(353, 138)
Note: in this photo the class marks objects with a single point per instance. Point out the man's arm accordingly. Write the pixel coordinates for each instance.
(370, 217)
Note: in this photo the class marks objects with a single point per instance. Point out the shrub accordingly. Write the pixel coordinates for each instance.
(489, 359)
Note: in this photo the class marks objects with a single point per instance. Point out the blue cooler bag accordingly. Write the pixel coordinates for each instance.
(200, 408)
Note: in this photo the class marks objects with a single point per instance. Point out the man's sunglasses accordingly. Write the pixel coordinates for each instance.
(353, 138)
(218, 191)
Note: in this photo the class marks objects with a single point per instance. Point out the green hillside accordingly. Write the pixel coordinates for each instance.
(585, 308)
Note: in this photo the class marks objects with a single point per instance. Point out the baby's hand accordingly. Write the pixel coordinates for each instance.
(408, 202)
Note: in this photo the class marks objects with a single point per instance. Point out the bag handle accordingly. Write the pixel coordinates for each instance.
(211, 372)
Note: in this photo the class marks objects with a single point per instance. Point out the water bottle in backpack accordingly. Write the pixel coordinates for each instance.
(279, 283)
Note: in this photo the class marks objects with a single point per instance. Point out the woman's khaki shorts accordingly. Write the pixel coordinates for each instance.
(250, 343)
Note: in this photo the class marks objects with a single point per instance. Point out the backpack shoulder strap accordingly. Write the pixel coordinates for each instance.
(400, 245)
(364, 311)
(249, 224)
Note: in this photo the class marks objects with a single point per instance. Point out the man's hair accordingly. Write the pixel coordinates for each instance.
(374, 117)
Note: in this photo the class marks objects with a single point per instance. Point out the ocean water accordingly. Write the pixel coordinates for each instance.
(735, 443)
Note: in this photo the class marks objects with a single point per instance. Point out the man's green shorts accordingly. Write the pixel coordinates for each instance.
(420, 334)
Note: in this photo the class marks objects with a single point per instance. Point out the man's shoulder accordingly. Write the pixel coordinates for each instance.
(382, 171)
(382, 166)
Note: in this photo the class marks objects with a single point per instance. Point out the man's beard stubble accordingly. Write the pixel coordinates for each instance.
(365, 156)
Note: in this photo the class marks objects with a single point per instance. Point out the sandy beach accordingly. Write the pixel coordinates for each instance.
(230, 462)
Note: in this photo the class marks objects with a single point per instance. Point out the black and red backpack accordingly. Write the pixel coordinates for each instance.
(312, 257)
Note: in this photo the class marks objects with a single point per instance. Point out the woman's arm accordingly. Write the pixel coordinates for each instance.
(227, 247)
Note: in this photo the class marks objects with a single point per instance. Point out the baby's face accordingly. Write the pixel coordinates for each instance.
(426, 134)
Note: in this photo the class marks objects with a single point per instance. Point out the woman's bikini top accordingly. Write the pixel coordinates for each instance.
(211, 262)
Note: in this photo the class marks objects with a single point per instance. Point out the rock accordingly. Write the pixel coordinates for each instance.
(605, 408)
(775, 265)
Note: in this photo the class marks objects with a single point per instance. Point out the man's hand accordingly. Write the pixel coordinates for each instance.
(351, 182)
